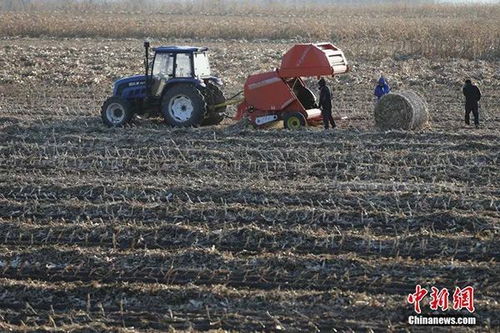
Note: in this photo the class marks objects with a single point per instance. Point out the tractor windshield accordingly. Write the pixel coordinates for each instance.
(201, 65)
(164, 64)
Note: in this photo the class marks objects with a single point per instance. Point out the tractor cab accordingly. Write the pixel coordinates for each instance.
(180, 64)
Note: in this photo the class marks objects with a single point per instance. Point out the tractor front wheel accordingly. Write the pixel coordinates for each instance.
(183, 105)
(116, 112)
(294, 121)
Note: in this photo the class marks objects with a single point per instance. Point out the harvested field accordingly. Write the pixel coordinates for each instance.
(149, 228)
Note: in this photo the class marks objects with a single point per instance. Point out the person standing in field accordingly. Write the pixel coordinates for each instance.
(325, 104)
(382, 88)
(472, 96)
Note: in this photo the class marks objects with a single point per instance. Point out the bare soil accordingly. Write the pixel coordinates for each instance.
(149, 228)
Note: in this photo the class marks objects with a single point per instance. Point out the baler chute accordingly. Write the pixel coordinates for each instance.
(282, 94)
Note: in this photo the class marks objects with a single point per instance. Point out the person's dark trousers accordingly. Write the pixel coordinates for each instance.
(474, 108)
(328, 119)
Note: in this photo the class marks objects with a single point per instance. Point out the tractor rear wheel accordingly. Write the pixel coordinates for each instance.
(183, 105)
(116, 112)
(294, 121)
(213, 96)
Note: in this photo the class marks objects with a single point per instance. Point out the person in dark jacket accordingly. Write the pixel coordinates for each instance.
(382, 88)
(325, 104)
(472, 96)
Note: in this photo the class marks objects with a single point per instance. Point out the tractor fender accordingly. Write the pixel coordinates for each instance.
(215, 80)
(193, 81)
(174, 82)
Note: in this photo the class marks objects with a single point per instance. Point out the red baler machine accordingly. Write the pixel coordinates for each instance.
(282, 94)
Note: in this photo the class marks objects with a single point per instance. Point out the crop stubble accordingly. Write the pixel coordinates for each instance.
(151, 227)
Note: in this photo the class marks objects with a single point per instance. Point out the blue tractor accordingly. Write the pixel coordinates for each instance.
(177, 85)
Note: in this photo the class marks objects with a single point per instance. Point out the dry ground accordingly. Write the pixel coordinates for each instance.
(150, 228)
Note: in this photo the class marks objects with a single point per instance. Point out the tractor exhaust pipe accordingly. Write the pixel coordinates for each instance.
(146, 60)
(146, 65)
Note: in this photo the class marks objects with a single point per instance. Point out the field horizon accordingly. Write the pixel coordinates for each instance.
(427, 30)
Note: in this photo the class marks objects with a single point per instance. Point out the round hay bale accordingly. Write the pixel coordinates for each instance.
(402, 110)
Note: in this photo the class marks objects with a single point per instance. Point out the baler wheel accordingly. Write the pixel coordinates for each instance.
(294, 121)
